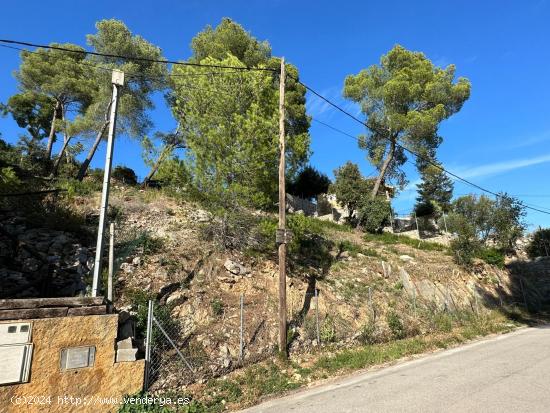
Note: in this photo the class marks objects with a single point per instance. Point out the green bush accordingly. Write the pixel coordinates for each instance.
(125, 175)
(8, 180)
(540, 244)
(373, 214)
(327, 331)
(396, 325)
(367, 335)
(217, 307)
(493, 256)
(464, 249)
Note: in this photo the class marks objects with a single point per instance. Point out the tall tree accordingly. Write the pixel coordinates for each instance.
(405, 98)
(61, 77)
(143, 78)
(231, 124)
(234, 115)
(435, 186)
(350, 187)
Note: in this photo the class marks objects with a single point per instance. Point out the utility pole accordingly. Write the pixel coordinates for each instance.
(281, 235)
(117, 81)
(111, 263)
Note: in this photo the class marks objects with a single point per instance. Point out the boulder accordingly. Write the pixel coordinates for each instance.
(235, 268)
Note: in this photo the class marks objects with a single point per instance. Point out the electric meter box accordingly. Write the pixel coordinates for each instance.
(15, 352)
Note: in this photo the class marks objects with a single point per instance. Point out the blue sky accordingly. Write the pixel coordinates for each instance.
(500, 139)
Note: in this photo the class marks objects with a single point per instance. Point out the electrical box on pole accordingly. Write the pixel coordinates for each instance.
(118, 81)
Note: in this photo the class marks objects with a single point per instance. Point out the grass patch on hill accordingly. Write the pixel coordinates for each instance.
(390, 239)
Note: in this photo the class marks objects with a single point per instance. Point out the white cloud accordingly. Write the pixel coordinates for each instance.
(499, 167)
(532, 140)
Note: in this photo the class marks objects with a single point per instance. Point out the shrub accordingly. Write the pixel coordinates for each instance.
(396, 325)
(125, 175)
(327, 332)
(217, 307)
(540, 244)
(464, 249)
(367, 335)
(8, 180)
(493, 256)
(373, 214)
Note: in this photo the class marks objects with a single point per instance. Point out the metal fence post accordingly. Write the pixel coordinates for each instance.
(523, 293)
(148, 339)
(241, 347)
(414, 301)
(317, 317)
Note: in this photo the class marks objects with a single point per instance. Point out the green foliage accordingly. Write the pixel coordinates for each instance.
(308, 183)
(173, 173)
(396, 325)
(327, 330)
(373, 214)
(349, 187)
(389, 239)
(77, 188)
(124, 174)
(435, 189)
(216, 305)
(466, 245)
(367, 335)
(405, 98)
(230, 37)
(493, 256)
(222, 113)
(32, 111)
(9, 181)
(478, 220)
(231, 122)
(540, 243)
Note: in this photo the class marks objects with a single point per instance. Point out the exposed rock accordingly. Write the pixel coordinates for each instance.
(176, 298)
(406, 258)
(235, 268)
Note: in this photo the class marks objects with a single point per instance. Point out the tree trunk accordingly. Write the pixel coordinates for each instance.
(384, 168)
(167, 150)
(52, 131)
(66, 140)
(86, 163)
(61, 152)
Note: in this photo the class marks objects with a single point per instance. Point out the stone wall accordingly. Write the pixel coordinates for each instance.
(105, 379)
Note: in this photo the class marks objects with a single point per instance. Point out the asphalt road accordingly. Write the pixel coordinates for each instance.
(508, 373)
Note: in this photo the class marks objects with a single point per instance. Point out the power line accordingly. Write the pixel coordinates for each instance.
(537, 208)
(139, 75)
(416, 154)
(138, 59)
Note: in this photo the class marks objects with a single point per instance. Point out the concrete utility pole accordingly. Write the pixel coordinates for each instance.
(118, 82)
(281, 236)
(111, 263)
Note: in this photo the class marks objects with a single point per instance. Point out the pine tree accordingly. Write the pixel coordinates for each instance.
(435, 190)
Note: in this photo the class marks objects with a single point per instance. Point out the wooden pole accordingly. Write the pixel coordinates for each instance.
(282, 214)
